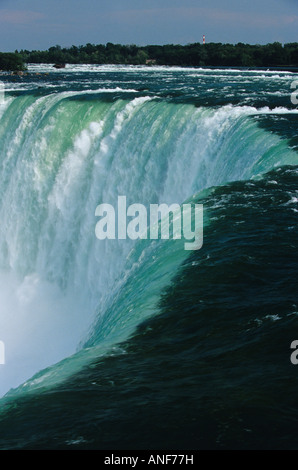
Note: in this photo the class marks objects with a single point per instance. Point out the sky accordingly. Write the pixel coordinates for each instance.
(38, 25)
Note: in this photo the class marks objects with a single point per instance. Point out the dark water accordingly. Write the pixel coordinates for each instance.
(209, 367)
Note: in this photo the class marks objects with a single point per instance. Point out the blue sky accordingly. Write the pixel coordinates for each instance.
(36, 24)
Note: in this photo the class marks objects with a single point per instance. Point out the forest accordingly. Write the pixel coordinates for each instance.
(210, 54)
(196, 54)
(11, 62)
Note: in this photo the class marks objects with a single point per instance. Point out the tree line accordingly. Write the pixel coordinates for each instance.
(11, 61)
(196, 54)
(212, 54)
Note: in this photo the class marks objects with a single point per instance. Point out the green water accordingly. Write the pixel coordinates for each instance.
(143, 344)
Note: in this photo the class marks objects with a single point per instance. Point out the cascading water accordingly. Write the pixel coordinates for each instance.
(141, 344)
(64, 153)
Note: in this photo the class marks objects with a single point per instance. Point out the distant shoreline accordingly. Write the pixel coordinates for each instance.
(193, 55)
(273, 56)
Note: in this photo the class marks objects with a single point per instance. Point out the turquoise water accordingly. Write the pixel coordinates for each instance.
(114, 335)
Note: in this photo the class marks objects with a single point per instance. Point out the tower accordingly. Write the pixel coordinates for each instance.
(204, 41)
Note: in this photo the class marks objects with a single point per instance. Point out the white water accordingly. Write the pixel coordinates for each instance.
(60, 158)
